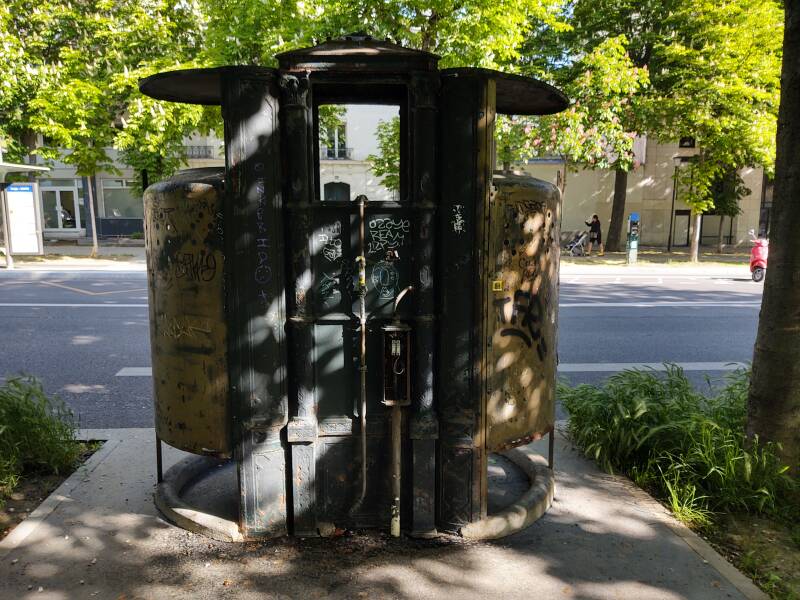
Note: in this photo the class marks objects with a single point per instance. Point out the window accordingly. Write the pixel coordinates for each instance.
(359, 151)
(337, 191)
(119, 201)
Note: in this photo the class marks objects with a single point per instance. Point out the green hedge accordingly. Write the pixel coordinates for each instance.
(685, 447)
(37, 433)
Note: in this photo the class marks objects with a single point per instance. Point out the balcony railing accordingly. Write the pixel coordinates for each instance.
(200, 151)
(340, 153)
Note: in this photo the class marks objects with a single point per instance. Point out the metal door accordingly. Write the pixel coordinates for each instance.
(324, 299)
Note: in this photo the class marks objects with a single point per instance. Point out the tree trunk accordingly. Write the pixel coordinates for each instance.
(614, 238)
(92, 219)
(720, 245)
(694, 249)
(774, 402)
(561, 180)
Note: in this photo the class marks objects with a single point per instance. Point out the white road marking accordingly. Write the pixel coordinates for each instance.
(614, 367)
(662, 304)
(135, 372)
(70, 305)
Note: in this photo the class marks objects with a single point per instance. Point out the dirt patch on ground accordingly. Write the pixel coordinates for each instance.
(32, 490)
(766, 550)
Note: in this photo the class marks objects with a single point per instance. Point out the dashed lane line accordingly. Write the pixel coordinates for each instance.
(135, 372)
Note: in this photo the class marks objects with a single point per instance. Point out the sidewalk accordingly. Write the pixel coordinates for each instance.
(62, 257)
(71, 257)
(99, 536)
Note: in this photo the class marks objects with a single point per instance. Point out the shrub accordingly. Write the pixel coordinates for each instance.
(686, 448)
(37, 433)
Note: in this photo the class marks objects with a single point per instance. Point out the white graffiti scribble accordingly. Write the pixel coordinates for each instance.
(385, 278)
(387, 234)
(458, 219)
(330, 239)
(328, 287)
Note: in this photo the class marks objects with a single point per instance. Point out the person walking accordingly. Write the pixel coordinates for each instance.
(595, 235)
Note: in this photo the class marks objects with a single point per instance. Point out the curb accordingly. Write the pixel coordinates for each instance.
(59, 495)
(526, 510)
(702, 548)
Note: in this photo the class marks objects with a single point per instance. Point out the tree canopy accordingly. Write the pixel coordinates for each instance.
(662, 68)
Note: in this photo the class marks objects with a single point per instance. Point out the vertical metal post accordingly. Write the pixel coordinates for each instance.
(551, 447)
(397, 416)
(6, 225)
(465, 171)
(255, 284)
(159, 462)
(424, 425)
(298, 191)
(362, 363)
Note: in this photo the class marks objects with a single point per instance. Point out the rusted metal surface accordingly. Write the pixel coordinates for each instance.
(188, 332)
(275, 377)
(522, 266)
(356, 53)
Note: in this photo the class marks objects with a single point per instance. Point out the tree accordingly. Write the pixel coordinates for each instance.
(720, 87)
(774, 400)
(386, 164)
(68, 71)
(727, 191)
(467, 32)
(597, 130)
(708, 80)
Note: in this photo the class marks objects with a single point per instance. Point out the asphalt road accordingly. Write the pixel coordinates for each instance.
(77, 331)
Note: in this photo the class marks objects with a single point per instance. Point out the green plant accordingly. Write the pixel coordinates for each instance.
(137, 235)
(684, 447)
(37, 432)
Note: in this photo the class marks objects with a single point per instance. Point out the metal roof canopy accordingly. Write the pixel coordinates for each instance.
(356, 54)
(16, 168)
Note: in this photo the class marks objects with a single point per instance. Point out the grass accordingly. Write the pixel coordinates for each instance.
(686, 448)
(37, 433)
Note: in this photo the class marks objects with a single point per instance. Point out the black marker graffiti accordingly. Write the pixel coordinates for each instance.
(197, 266)
(529, 329)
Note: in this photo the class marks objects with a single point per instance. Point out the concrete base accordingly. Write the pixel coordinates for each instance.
(522, 512)
(199, 494)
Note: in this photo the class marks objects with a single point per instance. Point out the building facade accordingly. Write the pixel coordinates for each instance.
(345, 172)
(651, 193)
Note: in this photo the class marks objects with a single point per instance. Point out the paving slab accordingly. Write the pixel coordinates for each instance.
(100, 536)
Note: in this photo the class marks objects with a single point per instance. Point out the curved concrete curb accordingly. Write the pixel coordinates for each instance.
(531, 505)
(168, 500)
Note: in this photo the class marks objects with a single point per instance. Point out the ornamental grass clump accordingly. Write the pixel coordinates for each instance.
(686, 448)
(37, 433)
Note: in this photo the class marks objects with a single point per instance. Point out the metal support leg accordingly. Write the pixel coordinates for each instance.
(396, 465)
(159, 461)
(550, 446)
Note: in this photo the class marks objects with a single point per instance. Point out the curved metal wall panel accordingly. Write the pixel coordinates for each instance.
(522, 305)
(188, 332)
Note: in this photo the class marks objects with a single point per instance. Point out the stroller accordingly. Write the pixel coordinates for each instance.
(577, 245)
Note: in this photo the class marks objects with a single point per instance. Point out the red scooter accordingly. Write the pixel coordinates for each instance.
(758, 257)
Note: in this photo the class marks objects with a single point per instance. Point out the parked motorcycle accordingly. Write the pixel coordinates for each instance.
(758, 257)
